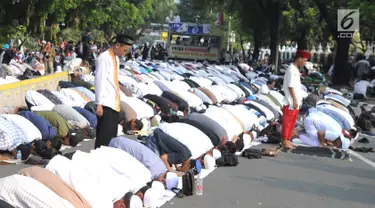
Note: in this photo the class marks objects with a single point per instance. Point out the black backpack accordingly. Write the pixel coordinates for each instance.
(274, 137)
(252, 153)
(188, 185)
(366, 121)
(227, 159)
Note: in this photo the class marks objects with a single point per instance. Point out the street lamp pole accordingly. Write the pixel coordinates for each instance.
(233, 40)
(229, 29)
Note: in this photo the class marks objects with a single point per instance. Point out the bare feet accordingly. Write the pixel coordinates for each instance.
(16, 110)
(288, 144)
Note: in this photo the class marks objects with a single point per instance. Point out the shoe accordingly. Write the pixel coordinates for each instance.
(270, 152)
(90, 133)
(364, 140)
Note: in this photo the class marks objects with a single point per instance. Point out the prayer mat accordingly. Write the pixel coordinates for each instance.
(318, 151)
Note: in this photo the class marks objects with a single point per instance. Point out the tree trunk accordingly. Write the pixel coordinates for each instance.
(29, 12)
(275, 21)
(243, 50)
(257, 44)
(302, 41)
(341, 73)
(274, 46)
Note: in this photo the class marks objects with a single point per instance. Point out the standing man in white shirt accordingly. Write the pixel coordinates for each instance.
(107, 89)
(176, 18)
(293, 97)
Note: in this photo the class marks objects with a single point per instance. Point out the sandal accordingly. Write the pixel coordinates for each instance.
(270, 152)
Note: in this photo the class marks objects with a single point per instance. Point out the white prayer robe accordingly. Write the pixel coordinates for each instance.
(25, 192)
(194, 139)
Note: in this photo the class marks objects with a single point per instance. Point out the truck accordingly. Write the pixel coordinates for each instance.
(193, 41)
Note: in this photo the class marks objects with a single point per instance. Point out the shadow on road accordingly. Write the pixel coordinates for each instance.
(352, 171)
(358, 194)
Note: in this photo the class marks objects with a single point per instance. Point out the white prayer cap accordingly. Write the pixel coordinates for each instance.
(260, 127)
(73, 65)
(155, 121)
(151, 198)
(209, 162)
(246, 139)
(216, 154)
(180, 113)
(177, 77)
(76, 62)
(135, 202)
(345, 142)
(146, 124)
(264, 90)
(58, 69)
(171, 180)
(309, 66)
(255, 134)
(158, 186)
(198, 108)
(204, 107)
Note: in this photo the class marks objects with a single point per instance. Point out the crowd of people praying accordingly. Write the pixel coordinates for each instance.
(185, 116)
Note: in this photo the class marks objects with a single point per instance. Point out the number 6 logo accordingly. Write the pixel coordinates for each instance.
(346, 19)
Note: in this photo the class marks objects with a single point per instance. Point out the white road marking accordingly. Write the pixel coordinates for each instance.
(360, 157)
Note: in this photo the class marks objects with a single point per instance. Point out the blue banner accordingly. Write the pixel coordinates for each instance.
(189, 28)
(196, 30)
(175, 26)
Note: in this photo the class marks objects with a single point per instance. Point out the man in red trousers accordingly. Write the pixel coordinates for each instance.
(293, 97)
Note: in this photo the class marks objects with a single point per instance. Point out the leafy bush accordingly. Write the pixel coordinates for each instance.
(71, 34)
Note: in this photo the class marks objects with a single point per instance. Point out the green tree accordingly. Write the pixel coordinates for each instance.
(161, 9)
(302, 24)
(328, 12)
(367, 17)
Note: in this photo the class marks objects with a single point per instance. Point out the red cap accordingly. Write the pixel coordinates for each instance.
(302, 54)
(346, 134)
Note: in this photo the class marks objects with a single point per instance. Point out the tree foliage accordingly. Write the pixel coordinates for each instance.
(109, 16)
(367, 17)
(302, 24)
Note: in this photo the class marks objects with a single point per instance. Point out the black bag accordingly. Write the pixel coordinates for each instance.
(366, 121)
(89, 133)
(240, 144)
(36, 160)
(28, 73)
(188, 183)
(227, 159)
(76, 136)
(69, 155)
(252, 153)
(49, 153)
(273, 135)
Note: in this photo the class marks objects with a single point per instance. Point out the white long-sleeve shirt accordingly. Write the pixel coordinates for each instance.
(105, 86)
(318, 121)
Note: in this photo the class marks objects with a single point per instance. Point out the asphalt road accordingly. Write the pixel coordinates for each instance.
(287, 181)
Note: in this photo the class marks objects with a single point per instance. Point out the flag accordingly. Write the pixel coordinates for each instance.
(219, 18)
